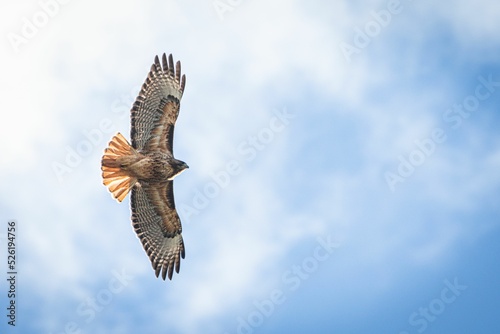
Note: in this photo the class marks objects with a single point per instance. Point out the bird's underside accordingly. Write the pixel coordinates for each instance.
(146, 167)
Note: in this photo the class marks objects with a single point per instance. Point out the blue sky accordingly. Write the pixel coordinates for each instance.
(344, 166)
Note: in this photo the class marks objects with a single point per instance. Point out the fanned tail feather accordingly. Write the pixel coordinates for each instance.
(118, 181)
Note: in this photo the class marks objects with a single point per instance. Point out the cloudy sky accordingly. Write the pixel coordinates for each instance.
(344, 166)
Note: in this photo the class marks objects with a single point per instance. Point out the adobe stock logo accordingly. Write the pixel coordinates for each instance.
(421, 318)
(31, 26)
(93, 138)
(453, 117)
(364, 36)
(85, 147)
(292, 279)
(248, 150)
(89, 308)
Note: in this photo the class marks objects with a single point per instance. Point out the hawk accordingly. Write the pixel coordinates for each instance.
(147, 167)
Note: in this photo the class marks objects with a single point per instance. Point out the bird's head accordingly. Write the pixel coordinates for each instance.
(178, 167)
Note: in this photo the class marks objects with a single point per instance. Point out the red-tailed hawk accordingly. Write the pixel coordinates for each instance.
(147, 167)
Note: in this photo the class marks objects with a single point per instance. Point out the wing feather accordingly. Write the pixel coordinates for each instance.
(162, 135)
(158, 226)
(157, 105)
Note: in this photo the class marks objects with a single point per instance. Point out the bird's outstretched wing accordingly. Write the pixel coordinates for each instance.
(156, 108)
(158, 226)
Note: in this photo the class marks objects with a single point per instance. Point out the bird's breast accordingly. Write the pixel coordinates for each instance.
(152, 168)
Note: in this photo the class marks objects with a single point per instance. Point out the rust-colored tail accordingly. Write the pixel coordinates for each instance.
(118, 180)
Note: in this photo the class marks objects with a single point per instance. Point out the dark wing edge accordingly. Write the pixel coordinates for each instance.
(158, 227)
(164, 85)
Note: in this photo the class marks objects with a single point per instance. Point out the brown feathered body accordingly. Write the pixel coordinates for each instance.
(147, 166)
(155, 167)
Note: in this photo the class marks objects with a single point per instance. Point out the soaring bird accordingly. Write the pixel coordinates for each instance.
(147, 167)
